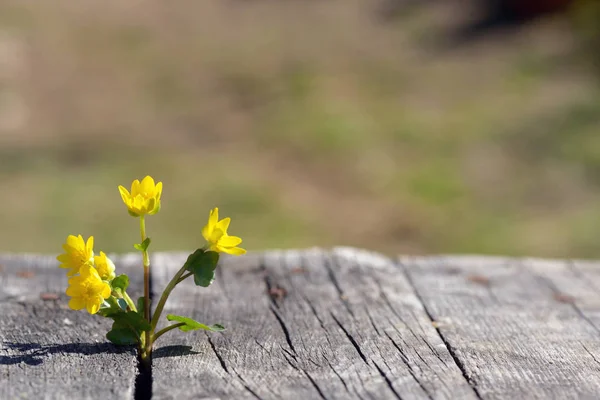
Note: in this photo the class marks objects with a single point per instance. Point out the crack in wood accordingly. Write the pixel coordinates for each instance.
(336, 373)
(289, 353)
(321, 323)
(450, 349)
(308, 376)
(309, 303)
(284, 328)
(327, 264)
(351, 338)
(387, 301)
(314, 311)
(316, 386)
(434, 351)
(362, 383)
(372, 322)
(294, 366)
(214, 348)
(590, 353)
(245, 385)
(387, 380)
(275, 292)
(262, 346)
(411, 371)
(143, 381)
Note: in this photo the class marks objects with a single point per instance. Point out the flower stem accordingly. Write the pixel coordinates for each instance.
(184, 277)
(146, 260)
(129, 302)
(163, 298)
(165, 330)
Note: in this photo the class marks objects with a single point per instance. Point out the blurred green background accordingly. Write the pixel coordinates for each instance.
(309, 123)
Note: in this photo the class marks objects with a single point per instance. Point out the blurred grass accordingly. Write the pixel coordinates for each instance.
(308, 124)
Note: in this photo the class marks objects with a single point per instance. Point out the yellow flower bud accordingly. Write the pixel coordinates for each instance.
(105, 267)
(144, 197)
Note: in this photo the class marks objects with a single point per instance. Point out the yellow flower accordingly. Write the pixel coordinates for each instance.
(77, 254)
(105, 267)
(144, 197)
(215, 233)
(87, 290)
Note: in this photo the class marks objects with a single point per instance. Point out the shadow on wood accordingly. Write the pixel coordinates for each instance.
(34, 353)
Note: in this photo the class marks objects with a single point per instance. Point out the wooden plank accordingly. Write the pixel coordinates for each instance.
(303, 325)
(49, 351)
(517, 328)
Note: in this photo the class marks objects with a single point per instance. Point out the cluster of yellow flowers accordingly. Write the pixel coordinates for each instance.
(89, 283)
(91, 276)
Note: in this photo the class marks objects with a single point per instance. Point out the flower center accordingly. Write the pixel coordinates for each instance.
(88, 291)
(83, 258)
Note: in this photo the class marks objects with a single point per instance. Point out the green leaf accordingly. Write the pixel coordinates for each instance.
(111, 307)
(132, 320)
(202, 264)
(127, 327)
(191, 325)
(142, 246)
(141, 302)
(109, 312)
(121, 282)
(122, 336)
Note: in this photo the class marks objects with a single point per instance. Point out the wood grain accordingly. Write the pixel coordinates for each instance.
(517, 328)
(305, 325)
(314, 324)
(48, 351)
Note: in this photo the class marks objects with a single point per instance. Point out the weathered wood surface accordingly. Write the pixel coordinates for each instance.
(48, 351)
(305, 325)
(517, 328)
(351, 324)
(341, 324)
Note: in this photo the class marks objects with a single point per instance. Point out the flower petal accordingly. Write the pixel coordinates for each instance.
(216, 235)
(125, 195)
(213, 218)
(236, 251)
(224, 224)
(206, 232)
(75, 241)
(229, 241)
(158, 191)
(92, 306)
(135, 188)
(93, 274)
(147, 185)
(74, 290)
(151, 205)
(76, 303)
(105, 293)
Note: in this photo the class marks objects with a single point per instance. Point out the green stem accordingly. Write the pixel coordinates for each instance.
(129, 302)
(184, 277)
(146, 260)
(165, 330)
(163, 298)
